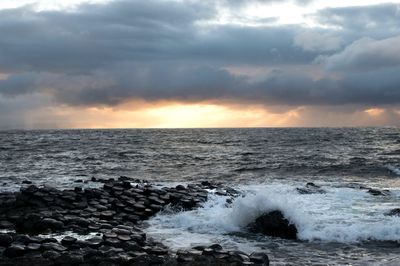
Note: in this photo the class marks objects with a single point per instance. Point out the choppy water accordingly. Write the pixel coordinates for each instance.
(346, 225)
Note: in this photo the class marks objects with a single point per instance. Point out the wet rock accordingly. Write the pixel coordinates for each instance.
(113, 242)
(68, 240)
(81, 222)
(6, 225)
(5, 240)
(274, 224)
(33, 247)
(126, 184)
(109, 235)
(29, 190)
(112, 211)
(51, 254)
(311, 188)
(158, 251)
(107, 215)
(259, 258)
(15, 251)
(49, 240)
(95, 242)
(69, 259)
(22, 239)
(393, 212)
(208, 185)
(376, 192)
(53, 246)
(121, 231)
(124, 237)
(180, 187)
(49, 223)
(208, 251)
(215, 247)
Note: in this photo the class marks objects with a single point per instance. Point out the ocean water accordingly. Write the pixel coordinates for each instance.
(346, 225)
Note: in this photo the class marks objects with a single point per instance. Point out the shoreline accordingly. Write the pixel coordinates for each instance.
(108, 223)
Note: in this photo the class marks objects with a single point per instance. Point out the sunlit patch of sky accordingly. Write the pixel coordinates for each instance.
(254, 14)
(285, 12)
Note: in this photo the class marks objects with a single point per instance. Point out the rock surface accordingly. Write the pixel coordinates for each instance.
(112, 215)
(311, 188)
(274, 224)
(393, 212)
(376, 192)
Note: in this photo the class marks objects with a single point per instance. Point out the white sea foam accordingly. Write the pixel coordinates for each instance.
(394, 169)
(342, 215)
(60, 236)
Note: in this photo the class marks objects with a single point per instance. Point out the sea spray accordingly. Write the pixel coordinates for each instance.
(342, 215)
(394, 169)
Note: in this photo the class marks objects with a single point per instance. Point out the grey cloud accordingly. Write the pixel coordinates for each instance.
(18, 84)
(156, 50)
(366, 54)
(96, 36)
(241, 3)
(312, 40)
(379, 87)
(383, 17)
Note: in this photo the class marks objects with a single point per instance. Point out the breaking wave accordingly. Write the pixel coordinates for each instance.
(394, 169)
(343, 215)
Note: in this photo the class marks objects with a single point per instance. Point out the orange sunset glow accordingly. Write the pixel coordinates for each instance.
(168, 115)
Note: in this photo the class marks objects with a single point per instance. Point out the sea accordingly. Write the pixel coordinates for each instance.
(344, 226)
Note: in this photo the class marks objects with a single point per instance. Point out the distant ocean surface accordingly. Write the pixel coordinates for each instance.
(346, 225)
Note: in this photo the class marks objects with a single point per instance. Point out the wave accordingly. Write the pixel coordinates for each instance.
(250, 169)
(343, 215)
(394, 169)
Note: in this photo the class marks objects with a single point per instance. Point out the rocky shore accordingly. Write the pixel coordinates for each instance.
(103, 226)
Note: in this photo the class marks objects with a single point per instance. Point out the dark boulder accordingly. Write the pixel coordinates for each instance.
(69, 259)
(5, 240)
(180, 187)
(68, 241)
(259, 258)
(376, 192)
(274, 224)
(49, 223)
(15, 251)
(33, 247)
(51, 254)
(53, 246)
(393, 212)
(215, 247)
(6, 225)
(311, 188)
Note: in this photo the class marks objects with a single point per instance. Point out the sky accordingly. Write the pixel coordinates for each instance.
(188, 63)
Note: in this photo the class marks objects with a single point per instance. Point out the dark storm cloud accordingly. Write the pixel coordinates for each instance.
(368, 88)
(155, 50)
(377, 87)
(99, 35)
(18, 84)
(96, 34)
